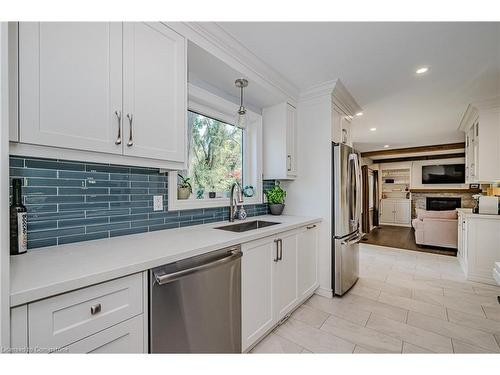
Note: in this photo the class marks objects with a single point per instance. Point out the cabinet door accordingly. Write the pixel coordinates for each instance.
(387, 211)
(291, 140)
(126, 337)
(307, 261)
(70, 84)
(256, 290)
(154, 83)
(483, 237)
(402, 212)
(285, 276)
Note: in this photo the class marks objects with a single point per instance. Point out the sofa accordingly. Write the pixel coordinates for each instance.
(436, 228)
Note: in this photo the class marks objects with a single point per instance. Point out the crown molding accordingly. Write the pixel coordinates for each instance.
(341, 97)
(213, 38)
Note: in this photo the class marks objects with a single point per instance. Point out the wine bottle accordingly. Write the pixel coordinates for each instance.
(18, 221)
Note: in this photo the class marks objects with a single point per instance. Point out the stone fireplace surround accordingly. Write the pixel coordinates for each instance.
(418, 200)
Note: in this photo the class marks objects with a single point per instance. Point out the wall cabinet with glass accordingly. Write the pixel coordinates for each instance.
(280, 142)
(103, 87)
(481, 125)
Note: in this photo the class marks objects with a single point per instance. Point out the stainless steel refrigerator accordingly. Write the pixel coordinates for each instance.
(346, 220)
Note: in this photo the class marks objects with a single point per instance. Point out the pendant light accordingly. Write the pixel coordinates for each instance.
(241, 118)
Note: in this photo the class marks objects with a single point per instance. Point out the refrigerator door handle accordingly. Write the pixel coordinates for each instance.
(357, 170)
(351, 241)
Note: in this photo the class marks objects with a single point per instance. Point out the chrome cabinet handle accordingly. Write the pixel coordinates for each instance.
(119, 137)
(277, 242)
(95, 309)
(289, 157)
(281, 249)
(130, 138)
(311, 226)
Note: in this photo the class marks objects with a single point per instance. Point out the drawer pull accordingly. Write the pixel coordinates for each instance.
(311, 226)
(95, 309)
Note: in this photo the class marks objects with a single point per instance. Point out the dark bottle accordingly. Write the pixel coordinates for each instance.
(18, 221)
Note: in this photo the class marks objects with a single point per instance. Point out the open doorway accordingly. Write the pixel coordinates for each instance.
(370, 217)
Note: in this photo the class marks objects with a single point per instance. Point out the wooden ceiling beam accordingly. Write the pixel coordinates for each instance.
(409, 150)
(422, 157)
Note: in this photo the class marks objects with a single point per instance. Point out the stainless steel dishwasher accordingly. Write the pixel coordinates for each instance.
(195, 304)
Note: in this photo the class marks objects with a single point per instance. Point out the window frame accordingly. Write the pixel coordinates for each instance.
(208, 104)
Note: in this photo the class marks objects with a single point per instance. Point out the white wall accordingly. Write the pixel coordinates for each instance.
(310, 194)
(416, 174)
(4, 191)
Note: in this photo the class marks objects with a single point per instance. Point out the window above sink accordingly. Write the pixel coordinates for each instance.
(237, 156)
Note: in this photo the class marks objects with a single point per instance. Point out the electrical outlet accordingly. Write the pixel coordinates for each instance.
(157, 202)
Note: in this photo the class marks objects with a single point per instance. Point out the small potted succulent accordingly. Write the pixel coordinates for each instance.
(184, 188)
(276, 199)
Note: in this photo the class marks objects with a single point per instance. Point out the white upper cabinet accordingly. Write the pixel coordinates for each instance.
(70, 84)
(154, 82)
(481, 125)
(107, 88)
(280, 142)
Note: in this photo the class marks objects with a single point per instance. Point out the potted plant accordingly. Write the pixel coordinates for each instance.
(184, 188)
(276, 199)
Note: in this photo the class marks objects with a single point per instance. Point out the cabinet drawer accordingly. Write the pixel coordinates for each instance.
(126, 337)
(61, 320)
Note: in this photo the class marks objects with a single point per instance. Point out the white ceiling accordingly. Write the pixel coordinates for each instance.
(377, 63)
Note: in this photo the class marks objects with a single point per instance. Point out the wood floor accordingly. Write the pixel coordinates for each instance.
(403, 302)
(401, 238)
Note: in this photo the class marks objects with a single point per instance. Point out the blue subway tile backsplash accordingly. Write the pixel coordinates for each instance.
(73, 201)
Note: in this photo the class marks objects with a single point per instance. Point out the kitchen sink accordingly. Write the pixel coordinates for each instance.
(245, 226)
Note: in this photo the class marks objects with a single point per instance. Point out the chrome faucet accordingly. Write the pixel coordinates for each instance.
(232, 199)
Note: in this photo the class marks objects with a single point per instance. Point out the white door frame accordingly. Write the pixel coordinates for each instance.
(4, 189)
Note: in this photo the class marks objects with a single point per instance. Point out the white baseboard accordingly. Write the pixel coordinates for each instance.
(324, 292)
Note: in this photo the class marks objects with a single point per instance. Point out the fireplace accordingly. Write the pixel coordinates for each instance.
(442, 203)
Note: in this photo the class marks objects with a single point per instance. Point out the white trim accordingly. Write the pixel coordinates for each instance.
(206, 103)
(37, 151)
(4, 190)
(323, 292)
(341, 97)
(213, 38)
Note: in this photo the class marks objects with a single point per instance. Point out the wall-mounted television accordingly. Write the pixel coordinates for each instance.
(443, 174)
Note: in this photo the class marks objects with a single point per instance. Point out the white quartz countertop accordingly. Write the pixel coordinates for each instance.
(467, 212)
(49, 271)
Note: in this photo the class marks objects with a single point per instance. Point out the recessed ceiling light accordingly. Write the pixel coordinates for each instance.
(373, 129)
(422, 70)
(386, 146)
(359, 114)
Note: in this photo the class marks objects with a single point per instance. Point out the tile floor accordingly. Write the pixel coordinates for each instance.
(404, 302)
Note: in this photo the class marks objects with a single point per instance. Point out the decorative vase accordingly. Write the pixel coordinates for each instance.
(183, 192)
(276, 209)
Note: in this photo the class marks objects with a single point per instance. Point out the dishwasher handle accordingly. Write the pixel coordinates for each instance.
(168, 278)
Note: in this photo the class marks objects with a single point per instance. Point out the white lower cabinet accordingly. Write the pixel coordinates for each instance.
(307, 261)
(256, 290)
(278, 273)
(482, 246)
(125, 337)
(395, 212)
(285, 275)
(109, 317)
